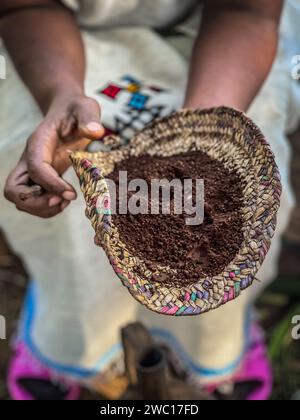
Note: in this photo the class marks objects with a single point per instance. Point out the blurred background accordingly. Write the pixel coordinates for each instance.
(276, 307)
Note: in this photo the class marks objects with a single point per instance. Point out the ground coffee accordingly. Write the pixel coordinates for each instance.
(194, 251)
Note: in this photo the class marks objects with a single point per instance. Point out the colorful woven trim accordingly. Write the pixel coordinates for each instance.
(226, 135)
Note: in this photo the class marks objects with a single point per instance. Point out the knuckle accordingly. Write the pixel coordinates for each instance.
(21, 209)
(33, 167)
(7, 193)
(32, 139)
(90, 103)
(31, 161)
(49, 215)
(44, 216)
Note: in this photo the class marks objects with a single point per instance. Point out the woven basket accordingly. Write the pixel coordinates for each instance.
(225, 135)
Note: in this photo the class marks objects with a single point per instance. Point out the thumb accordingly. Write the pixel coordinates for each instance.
(62, 159)
(88, 115)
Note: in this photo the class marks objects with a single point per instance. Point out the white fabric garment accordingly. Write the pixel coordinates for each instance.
(153, 13)
(72, 319)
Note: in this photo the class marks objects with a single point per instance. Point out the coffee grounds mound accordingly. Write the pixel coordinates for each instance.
(194, 252)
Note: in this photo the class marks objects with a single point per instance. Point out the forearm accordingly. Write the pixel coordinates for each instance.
(47, 51)
(232, 57)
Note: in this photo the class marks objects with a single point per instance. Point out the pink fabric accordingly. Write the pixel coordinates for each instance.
(24, 365)
(256, 366)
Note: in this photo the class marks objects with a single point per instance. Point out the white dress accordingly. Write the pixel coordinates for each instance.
(153, 13)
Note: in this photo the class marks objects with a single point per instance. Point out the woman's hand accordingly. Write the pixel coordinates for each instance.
(70, 124)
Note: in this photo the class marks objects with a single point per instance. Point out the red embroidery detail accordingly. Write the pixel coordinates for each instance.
(112, 91)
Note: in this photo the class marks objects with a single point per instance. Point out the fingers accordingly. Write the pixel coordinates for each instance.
(36, 206)
(26, 199)
(88, 115)
(39, 207)
(41, 149)
(47, 157)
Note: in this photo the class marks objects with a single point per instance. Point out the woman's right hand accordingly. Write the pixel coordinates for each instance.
(72, 122)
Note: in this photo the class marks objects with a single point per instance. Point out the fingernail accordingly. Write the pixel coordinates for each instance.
(54, 201)
(64, 205)
(94, 127)
(69, 195)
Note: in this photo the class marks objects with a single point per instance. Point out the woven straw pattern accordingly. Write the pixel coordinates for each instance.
(225, 135)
